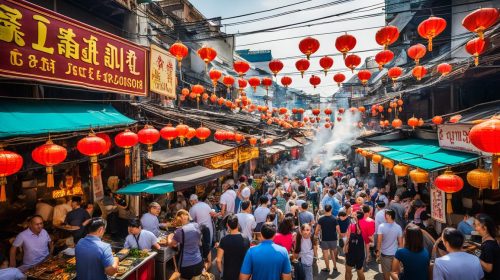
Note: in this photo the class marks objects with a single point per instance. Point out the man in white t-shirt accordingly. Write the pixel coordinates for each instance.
(389, 239)
(246, 220)
(227, 200)
(202, 214)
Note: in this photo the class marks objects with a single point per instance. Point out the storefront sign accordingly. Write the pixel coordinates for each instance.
(39, 44)
(456, 137)
(222, 160)
(162, 72)
(247, 153)
(438, 204)
(97, 188)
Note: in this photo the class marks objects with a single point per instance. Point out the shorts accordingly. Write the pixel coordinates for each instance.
(386, 263)
(191, 271)
(328, 245)
(355, 260)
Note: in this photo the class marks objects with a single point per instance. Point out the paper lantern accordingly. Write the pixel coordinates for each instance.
(308, 46)
(286, 81)
(476, 47)
(387, 36)
(345, 43)
(169, 133)
(242, 84)
(220, 135)
(364, 76)
(267, 82)
(376, 158)
(339, 78)
(419, 72)
(302, 65)
(444, 69)
(383, 57)
(241, 67)
(397, 123)
(106, 139)
(228, 81)
(449, 183)
(430, 28)
(387, 163)
(316, 111)
(179, 51)
(437, 120)
(92, 146)
(238, 137)
(480, 20)
(400, 170)
(419, 176)
(327, 125)
(275, 66)
(254, 82)
(328, 111)
(148, 136)
(215, 76)
(10, 163)
(416, 52)
(229, 135)
(314, 81)
(341, 110)
(480, 179)
(485, 137)
(352, 61)
(126, 140)
(207, 54)
(49, 155)
(252, 141)
(202, 133)
(326, 63)
(413, 122)
(394, 73)
(362, 109)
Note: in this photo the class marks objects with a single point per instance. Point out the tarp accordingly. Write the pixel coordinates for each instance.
(191, 177)
(150, 186)
(23, 117)
(171, 157)
(290, 143)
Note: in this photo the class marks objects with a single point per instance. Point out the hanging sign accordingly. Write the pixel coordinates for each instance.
(222, 160)
(456, 137)
(39, 44)
(162, 72)
(438, 204)
(247, 153)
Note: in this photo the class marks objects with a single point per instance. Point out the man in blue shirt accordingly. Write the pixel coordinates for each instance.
(94, 258)
(329, 199)
(466, 226)
(77, 217)
(266, 261)
(139, 238)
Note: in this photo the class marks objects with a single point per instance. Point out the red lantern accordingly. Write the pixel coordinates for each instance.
(328, 111)
(383, 57)
(197, 89)
(182, 131)
(449, 183)
(92, 146)
(352, 61)
(185, 92)
(339, 119)
(238, 137)
(126, 139)
(169, 133)
(326, 63)
(394, 73)
(327, 125)
(107, 139)
(444, 69)
(267, 82)
(362, 109)
(295, 111)
(180, 51)
(48, 155)
(437, 120)
(396, 123)
(314, 81)
(430, 28)
(10, 163)
(215, 76)
(282, 111)
(286, 81)
(419, 72)
(254, 82)
(275, 66)
(316, 111)
(480, 20)
(476, 47)
(413, 122)
(301, 110)
(341, 110)
(191, 133)
(339, 78)
(242, 84)
(364, 76)
(416, 52)
(207, 54)
(387, 36)
(220, 135)
(485, 137)
(302, 65)
(345, 43)
(308, 46)
(202, 133)
(252, 141)
(148, 136)
(228, 81)
(229, 135)
(241, 67)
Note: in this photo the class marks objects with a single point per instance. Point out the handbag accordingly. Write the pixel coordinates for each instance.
(298, 270)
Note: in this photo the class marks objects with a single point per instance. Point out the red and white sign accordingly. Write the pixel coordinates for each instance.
(438, 205)
(456, 137)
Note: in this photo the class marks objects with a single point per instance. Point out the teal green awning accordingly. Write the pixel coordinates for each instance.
(148, 186)
(425, 154)
(21, 118)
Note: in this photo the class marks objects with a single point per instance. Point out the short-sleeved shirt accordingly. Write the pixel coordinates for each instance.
(92, 257)
(191, 254)
(275, 263)
(285, 240)
(457, 266)
(151, 223)
(415, 264)
(306, 217)
(490, 253)
(367, 229)
(260, 214)
(390, 234)
(247, 224)
(333, 202)
(344, 225)
(145, 240)
(235, 247)
(76, 217)
(328, 228)
(200, 213)
(11, 273)
(379, 218)
(228, 198)
(400, 213)
(35, 247)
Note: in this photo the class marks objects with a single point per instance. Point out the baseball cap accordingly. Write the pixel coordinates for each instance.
(245, 193)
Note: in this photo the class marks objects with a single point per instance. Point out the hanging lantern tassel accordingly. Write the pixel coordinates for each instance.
(127, 157)
(50, 176)
(150, 150)
(449, 209)
(3, 195)
(495, 170)
(429, 45)
(95, 166)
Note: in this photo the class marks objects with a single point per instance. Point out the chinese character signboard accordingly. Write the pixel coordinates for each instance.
(438, 200)
(247, 153)
(162, 72)
(38, 44)
(223, 160)
(456, 137)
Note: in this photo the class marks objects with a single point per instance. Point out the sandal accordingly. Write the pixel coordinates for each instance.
(325, 270)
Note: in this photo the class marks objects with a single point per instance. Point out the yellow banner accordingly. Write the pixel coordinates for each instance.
(222, 160)
(162, 72)
(247, 153)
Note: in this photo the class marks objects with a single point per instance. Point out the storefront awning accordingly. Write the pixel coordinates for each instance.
(191, 177)
(171, 157)
(424, 154)
(20, 118)
(273, 149)
(302, 140)
(290, 143)
(150, 186)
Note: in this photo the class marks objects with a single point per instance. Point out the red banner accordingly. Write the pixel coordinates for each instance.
(39, 44)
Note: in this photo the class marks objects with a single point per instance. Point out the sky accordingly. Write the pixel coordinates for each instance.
(286, 48)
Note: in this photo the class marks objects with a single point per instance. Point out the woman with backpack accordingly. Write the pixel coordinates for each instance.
(304, 252)
(354, 249)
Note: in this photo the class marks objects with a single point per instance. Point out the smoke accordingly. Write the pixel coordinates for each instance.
(327, 144)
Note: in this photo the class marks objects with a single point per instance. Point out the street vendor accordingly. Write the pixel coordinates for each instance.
(78, 217)
(35, 243)
(140, 238)
(150, 222)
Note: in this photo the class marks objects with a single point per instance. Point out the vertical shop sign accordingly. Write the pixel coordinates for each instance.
(438, 204)
(162, 72)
